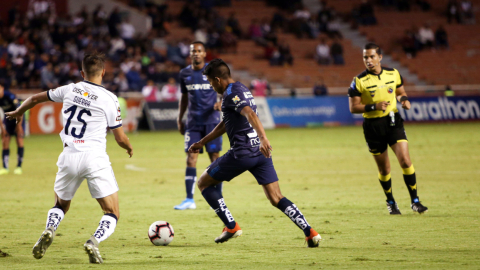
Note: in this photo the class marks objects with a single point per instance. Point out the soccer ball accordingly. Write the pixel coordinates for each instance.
(160, 233)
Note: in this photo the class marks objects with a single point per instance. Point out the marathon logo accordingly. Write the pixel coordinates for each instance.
(84, 93)
(441, 109)
(203, 86)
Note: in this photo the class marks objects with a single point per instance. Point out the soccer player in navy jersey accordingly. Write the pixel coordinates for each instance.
(250, 150)
(9, 103)
(203, 116)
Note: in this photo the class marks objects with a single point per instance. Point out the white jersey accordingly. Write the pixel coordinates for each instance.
(88, 109)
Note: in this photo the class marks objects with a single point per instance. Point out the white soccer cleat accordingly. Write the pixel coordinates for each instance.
(91, 247)
(43, 243)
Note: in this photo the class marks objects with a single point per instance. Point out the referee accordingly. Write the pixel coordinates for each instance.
(375, 93)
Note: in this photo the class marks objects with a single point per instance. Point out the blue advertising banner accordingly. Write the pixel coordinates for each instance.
(298, 112)
(442, 109)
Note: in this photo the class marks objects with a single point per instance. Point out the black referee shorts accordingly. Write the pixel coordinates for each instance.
(379, 133)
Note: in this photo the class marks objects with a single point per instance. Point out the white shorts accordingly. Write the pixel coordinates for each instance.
(75, 166)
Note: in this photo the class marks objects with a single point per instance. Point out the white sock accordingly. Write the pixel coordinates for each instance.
(55, 215)
(106, 227)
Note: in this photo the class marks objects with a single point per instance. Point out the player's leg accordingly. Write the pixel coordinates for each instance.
(265, 174)
(383, 164)
(54, 217)
(191, 136)
(214, 156)
(401, 151)
(213, 149)
(19, 135)
(224, 168)
(103, 187)
(5, 152)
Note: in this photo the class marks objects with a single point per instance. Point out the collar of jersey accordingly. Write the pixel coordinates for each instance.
(85, 81)
(371, 73)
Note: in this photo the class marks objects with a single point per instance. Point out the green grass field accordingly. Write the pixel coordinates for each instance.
(327, 172)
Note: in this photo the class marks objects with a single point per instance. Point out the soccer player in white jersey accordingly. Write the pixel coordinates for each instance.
(88, 109)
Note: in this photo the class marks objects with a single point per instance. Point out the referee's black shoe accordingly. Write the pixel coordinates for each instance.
(419, 208)
(393, 208)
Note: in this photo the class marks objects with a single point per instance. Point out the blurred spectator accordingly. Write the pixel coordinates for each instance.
(408, 44)
(48, 80)
(320, 89)
(322, 54)
(441, 38)
(424, 5)
(448, 91)
(366, 13)
(127, 31)
(260, 87)
(286, 57)
(170, 91)
(201, 35)
(337, 53)
(467, 16)
(426, 36)
(233, 23)
(333, 28)
(255, 32)
(228, 42)
(299, 24)
(17, 48)
(121, 82)
(134, 78)
(150, 92)
(113, 22)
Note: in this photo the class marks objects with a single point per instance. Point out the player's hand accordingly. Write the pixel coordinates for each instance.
(382, 106)
(266, 148)
(130, 152)
(14, 115)
(218, 106)
(181, 126)
(406, 105)
(196, 147)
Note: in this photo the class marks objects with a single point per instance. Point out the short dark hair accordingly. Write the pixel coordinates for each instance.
(198, 42)
(374, 46)
(217, 68)
(93, 63)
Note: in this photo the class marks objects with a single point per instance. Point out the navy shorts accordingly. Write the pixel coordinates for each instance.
(196, 133)
(227, 167)
(10, 126)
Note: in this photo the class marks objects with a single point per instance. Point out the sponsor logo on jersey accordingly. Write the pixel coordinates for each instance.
(204, 77)
(78, 141)
(81, 101)
(236, 99)
(84, 93)
(390, 90)
(203, 86)
(372, 93)
(247, 94)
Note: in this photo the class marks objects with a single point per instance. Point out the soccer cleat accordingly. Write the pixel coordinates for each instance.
(91, 247)
(393, 208)
(18, 170)
(3, 171)
(419, 208)
(229, 233)
(43, 243)
(314, 239)
(186, 204)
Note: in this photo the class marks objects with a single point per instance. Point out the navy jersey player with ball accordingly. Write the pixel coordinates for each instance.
(250, 151)
(203, 116)
(8, 103)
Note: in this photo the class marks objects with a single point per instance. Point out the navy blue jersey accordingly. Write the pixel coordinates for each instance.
(8, 102)
(201, 97)
(244, 141)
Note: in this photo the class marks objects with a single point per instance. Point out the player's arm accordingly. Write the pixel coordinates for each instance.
(402, 97)
(182, 108)
(218, 105)
(253, 119)
(356, 106)
(218, 131)
(27, 105)
(122, 140)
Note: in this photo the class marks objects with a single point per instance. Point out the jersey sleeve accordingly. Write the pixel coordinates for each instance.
(398, 79)
(353, 89)
(58, 94)
(183, 87)
(113, 113)
(237, 100)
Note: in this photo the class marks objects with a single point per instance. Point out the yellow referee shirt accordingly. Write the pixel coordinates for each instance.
(375, 88)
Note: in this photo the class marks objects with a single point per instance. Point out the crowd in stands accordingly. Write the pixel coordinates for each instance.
(460, 11)
(43, 49)
(415, 40)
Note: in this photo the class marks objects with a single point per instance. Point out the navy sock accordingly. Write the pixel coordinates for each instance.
(20, 156)
(5, 156)
(190, 178)
(291, 210)
(215, 200)
(219, 188)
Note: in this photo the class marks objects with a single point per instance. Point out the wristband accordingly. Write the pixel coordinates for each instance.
(370, 107)
(403, 98)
